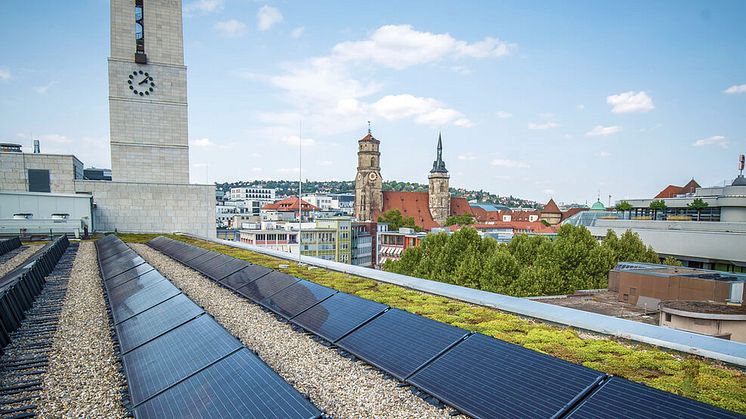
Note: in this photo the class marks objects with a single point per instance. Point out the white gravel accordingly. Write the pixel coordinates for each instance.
(83, 378)
(337, 385)
(16, 260)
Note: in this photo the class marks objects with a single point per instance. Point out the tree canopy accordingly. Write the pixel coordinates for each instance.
(396, 220)
(527, 266)
(462, 220)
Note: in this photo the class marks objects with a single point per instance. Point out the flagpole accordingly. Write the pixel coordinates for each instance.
(300, 190)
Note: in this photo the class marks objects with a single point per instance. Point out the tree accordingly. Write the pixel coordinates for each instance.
(462, 220)
(525, 248)
(672, 261)
(623, 206)
(499, 271)
(658, 206)
(395, 220)
(632, 249)
(698, 205)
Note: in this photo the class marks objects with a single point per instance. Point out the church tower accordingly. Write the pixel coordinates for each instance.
(440, 197)
(147, 93)
(368, 183)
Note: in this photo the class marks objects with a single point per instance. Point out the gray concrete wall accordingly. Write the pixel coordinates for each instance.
(14, 171)
(152, 207)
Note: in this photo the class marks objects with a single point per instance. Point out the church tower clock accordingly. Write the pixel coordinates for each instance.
(439, 195)
(368, 182)
(148, 93)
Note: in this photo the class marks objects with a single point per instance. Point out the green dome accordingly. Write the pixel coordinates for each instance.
(598, 206)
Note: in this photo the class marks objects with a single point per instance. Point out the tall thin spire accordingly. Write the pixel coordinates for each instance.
(369, 127)
(439, 165)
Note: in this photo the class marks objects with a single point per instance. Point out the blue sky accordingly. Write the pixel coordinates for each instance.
(534, 99)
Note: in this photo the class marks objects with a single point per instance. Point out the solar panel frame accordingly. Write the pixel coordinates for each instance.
(244, 276)
(399, 342)
(486, 377)
(240, 385)
(618, 397)
(155, 321)
(266, 286)
(183, 351)
(297, 298)
(113, 269)
(138, 302)
(338, 315)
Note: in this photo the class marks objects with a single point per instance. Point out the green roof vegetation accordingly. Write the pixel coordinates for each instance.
(687, 375)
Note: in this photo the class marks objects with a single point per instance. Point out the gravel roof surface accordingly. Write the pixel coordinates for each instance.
(83, 379)
(335, 384)
(16, 260)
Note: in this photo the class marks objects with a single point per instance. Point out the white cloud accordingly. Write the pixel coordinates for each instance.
(203, 143)
(630, 102)
(600, 130)
(401, 46)
(549, 191)
(510, 163)
(43, 89)
(288, 170)
(467, 157)
(714, 140)
(295, 140)
(268, 16)
(325, 163)
(205, 6)
(297, 32)
(54, 138)
(426, 111)
(4, 73)
(230, 28)
(503, 114)
(603, 154)
(735, 89)
(543, 125)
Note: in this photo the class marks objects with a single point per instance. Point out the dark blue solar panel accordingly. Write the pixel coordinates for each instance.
(187, 252)
(197, 262)
(337, 315)
(179, 353)
(239, 386)
(297, 298)
(244, 276)
(155, 321)
(399, 342)
(620, 398)
(107, 252)
(485, 377)
(115, 268)
(159, 242)
(128, 275)
(142, 300)
(267, 286)
(222, 266)
(116, 295)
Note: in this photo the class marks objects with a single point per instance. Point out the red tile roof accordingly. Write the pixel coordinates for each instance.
(671, 191)
(551, 208)
(519, 227)
(417, 206)
(290, 204)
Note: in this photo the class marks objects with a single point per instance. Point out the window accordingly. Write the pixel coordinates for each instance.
(668, 317)
(38, 180)
(139, 30)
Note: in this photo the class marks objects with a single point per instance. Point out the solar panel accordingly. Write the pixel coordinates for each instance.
(486, 377)
(142, 282)
(186, 253)
(174, 356)
(155, 321)
(399, 342)
(158, 242)
(128, 275)
(222, 266)
(297, 298)
(618, 397)
(338, 315)
(111, 251)
(115, 268)
(142, 300)
(199, 260)
(267, 285)
(125, 253)
(250, 273)
(240, 385)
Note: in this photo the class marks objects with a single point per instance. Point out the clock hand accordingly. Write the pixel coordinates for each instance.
(144, 81)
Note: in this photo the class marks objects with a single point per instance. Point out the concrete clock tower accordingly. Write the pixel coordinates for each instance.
(147, 93)
(439, 195)
(368, 183)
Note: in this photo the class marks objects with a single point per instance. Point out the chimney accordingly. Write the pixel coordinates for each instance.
(36, 147)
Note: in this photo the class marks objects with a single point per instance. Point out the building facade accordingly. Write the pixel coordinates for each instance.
(368, 182)
(252, 194)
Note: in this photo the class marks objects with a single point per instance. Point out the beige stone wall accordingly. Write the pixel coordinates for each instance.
(711, 327)
(439, 197)
(152, 207)
(14, 171)
(164, 42)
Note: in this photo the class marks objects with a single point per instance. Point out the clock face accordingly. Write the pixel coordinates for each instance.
(141, 83)
(372, 176)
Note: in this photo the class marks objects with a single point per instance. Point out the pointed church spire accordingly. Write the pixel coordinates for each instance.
(439, 165)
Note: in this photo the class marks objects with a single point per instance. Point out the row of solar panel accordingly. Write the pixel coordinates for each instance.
(479, 375)
(20, 287)
(9, 244)
(179, 361)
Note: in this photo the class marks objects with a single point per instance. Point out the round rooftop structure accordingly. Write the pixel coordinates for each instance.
(598, 206)
(739, 181)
